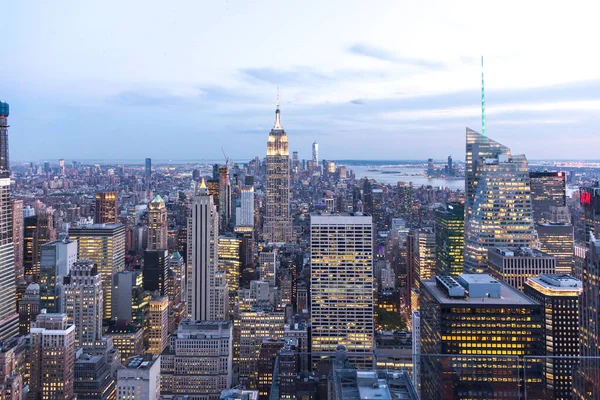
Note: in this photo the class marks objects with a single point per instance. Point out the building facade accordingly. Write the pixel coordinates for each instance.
(107, 208)
(104, 246)
(342, 285)
(498, 210)
(450, 240)
(198, 361)
(278, 221)
(515, 266)
(559, 296)
(9, 319)
(548, 189)
(157, 225)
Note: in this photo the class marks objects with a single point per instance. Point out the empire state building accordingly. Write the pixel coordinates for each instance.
(278, 223)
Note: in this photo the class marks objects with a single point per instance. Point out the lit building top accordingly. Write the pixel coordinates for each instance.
(556, 285)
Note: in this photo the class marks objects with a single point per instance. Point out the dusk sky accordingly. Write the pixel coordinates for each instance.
(366, 79)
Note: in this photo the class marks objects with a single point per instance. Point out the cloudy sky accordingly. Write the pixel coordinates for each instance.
(366, 79)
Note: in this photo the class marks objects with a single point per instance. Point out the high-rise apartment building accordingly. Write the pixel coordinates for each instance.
(128, 339)
(158, 337)
(157, 225)
(230, 263)
(84, 302)
(17, 238)
(202, 260)
(244, 216)
(515, 266)
(559, 295)
(342, 274)
(198, 361)
(315, 153)
(56, 260)
(140, 378)
(155, 271)
(462, 359)
(557, 239)
(104, 246)
(548, 190)
(278, 221)
(450, 240)
(52, 357)
(107, 208)
(9, 319)
(498, 210)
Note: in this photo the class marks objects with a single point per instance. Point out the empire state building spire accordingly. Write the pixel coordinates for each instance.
(277, 125)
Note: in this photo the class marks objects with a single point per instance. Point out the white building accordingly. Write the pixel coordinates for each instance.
(416, 350)
(84, 302)
(198, 361)
(244, 215)
(342, 285)
(202, 259)
(139, 379)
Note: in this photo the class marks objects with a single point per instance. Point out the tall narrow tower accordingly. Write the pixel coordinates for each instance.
(278, 223)
(9, 319)
(482, 101)
(157, 224)
(203, 231)
(315, 153)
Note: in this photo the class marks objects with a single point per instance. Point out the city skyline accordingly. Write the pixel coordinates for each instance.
(359, 82)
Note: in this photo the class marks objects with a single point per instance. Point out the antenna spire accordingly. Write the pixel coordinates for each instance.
(277, 117)
(482, 101)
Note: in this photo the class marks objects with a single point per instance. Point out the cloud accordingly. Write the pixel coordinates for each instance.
(299, 75)
(359, 102)
(466, 112)
(148, 98)
(384, 55)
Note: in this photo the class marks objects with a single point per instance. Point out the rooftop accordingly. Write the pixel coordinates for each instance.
(141, 362)
(519, 252)
(508, 294)
(556, 285)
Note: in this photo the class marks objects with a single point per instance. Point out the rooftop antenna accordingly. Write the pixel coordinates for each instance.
(482, 101)
(278, 97)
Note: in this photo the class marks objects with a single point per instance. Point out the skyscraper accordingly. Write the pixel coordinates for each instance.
(230, 263)
(104, 246)
(156, 267)
(315, 153)
(245, 215)
(341, 275)
(107, 208)
(198, 361)
(148, 170)
(483, 355)
(450, 239)
(52, 357)
(278, 222)
(202, 259)
(17, 237)
(589, 198)
(559, 295)
(224, 199)
(515, 266)
(159, 324)
(157, 225)
(9, 319)
(498, 209)
(84, 302)
(56, 260)
(38, 229)
(29, 307)
(586, 383)
(557, 239)
(547, 190)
